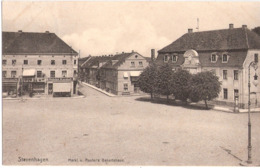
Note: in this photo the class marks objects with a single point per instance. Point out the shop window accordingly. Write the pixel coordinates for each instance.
(132, 64)
(224, 74)
(4, 62)
(4, 74)
(13, 74)
(125, 87)
(39, 62)
(225, 93)
(235, 74)
(140, 63)
(64, 74)
(52, 74)
(52, 62)
(13, 62)
(256, 57)
(25, 62)
(39, 74)
(64, 62)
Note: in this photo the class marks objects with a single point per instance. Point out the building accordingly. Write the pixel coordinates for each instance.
(39, 63)
(227, 53)
(117, 74)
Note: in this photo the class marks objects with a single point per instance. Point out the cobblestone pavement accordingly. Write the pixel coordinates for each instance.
(102, 130)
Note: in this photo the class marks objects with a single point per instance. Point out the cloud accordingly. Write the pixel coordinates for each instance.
(126, 35)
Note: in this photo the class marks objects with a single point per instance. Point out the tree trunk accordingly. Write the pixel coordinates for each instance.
(167, 98)
(151, 95)
(206, 104)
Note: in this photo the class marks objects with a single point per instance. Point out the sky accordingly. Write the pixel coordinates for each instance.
(104, 28)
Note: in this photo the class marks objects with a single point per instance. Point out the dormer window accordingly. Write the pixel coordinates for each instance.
(174, 58)
(165, 58)
(225, 58)
(214, 57)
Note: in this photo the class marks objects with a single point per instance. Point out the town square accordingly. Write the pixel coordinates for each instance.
(130, 83)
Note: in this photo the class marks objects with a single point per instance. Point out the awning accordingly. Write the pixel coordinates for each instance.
(135, 73)
(125, 75)
(29, 72)
(61, 87)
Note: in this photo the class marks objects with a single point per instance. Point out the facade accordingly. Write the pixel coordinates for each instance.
(39, 63)
(117, 74)
(227, 53)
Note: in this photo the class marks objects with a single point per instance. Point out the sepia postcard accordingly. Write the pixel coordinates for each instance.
(128, 83)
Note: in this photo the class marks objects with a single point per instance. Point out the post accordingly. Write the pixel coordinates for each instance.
(249, 160)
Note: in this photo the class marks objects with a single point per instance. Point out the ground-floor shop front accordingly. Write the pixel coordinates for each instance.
(10, 87)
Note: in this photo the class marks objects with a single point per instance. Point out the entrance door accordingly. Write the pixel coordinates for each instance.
(50, 88)
(136, 88)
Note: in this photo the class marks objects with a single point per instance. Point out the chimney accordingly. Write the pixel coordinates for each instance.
(133, 51)
(244, 26)
(231, 26)
(190, 30)
(153, 54)
(47, 32)
(20, 31)
(123, 52)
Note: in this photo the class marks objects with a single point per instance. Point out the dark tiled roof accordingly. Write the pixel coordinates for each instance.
(119, 58)
(82, 60)
(236, 59)
(95, 60)
(227, 39)
(34, 43)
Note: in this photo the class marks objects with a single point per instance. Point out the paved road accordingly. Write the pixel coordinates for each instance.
(134, 132)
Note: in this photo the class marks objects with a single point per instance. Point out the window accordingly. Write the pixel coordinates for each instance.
(132, 64)
(166, 58)
(13, 62)
(13, 74)
(256, 57)
(75, 62)
(174, 58)
(136, 56)
(4, 74)
(25, 62)
(64, 74)
(235, 74)
(39, 74)
(236, 95)
(213, 58)
(125, 87)
(64, 62)
(75, 73)
(224, 58)
(224, 74)
(4, 62)
(39, 62)
(52, 74)
(52, 62)
(140, 63)
(225, 93)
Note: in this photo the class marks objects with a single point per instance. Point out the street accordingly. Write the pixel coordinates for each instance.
(102, 130)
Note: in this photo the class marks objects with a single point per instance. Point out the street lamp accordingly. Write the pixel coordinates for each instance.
(255, 82)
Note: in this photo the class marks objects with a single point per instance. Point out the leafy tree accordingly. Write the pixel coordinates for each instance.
(256, 30)
(147, 79)
(204, 86)
(181, 85)
(163, 82)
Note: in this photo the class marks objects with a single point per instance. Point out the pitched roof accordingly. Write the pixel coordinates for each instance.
(82, 60)
(118, 59)
(94, 61)
(34, 43)
(226, 39)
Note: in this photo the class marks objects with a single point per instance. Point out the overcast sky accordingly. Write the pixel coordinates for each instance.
(103, 28)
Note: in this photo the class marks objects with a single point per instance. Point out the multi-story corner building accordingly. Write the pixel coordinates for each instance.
(119, 75)
(37, 63)
(226, 52)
